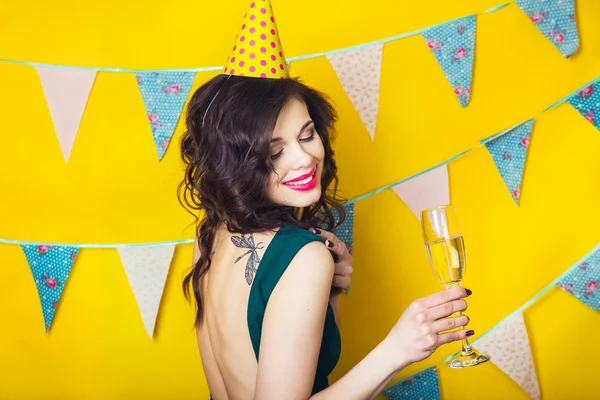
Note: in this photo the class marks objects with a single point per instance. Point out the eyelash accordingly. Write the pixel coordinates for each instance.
(305, 140)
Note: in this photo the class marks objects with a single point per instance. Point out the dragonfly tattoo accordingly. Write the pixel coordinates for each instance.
(247, 242)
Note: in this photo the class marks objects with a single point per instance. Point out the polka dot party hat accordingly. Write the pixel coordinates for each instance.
(257, 51)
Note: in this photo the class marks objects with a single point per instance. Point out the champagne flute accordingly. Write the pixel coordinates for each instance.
(446, 250)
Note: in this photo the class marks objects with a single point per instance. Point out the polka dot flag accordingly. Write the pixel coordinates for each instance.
(509, 152)
(582, 281)
(50, 266)
(453, 45)
(423, 386)
(345, 231)
(164, 94)
(587, 103)
(556, 20)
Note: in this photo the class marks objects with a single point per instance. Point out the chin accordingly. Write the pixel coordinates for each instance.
(299, 199)
(308, 201)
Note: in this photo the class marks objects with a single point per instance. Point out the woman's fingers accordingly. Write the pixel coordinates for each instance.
(445, 296)
(446, 309)
(448, 324)
(449, 337)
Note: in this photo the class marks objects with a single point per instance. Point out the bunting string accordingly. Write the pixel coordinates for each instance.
(290, 59)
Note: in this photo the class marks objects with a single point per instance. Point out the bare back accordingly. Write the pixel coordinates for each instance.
(226, 350)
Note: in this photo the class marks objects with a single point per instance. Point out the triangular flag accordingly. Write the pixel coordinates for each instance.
(164, 94)
(147, 268)
(66, 92)
(426, 190)
(345, 231)
(423, 386)
(453, 45)
(587, 102)
(50, 267)
(359, 72)
(257, 51)
(556, 20)
(509, 152)
(583, 280)
(508, 346)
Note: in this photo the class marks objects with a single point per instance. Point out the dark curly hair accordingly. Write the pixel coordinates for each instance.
(226, 152)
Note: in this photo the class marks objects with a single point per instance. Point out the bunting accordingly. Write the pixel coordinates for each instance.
(426, 190)
(587, 103)
(345, 231)
(556, 20)
(50, 267)
(453, 45)
(508, 346)
(164, 94)
(423, 386)
(509, 152)
(147, 268)
(582, 281)
(67, 92)
(359, 72)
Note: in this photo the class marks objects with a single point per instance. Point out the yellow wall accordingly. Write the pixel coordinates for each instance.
(114, 190)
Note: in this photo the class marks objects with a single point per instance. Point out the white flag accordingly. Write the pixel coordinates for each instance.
(508, 346)
(147, 268)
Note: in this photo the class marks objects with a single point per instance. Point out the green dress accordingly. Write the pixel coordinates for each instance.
(284, 246)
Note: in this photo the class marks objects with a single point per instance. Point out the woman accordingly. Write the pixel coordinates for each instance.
(266, 277)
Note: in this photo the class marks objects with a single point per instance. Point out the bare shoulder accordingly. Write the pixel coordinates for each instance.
(312, 267)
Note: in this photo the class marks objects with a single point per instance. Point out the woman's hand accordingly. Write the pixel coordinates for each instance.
(417, 335)
(342, 275)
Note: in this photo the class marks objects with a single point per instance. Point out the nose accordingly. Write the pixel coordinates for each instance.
(301, 158)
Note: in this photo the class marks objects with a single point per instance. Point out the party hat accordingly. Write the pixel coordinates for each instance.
(257, 51)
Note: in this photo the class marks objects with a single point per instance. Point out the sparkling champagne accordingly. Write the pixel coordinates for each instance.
(447, 259)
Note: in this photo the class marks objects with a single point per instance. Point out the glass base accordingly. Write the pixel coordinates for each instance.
(469, 358)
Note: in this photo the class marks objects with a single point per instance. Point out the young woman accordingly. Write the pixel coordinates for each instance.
(267, 273)
(259, 164)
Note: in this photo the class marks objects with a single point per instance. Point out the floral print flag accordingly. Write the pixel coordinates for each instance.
(50, 266)
(587, 103)
(556, 20)
(453, 45)
(582, 281)
(509, 152)
(164, 94)
(423, 386)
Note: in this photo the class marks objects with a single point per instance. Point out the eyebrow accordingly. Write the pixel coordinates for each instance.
(306, 125)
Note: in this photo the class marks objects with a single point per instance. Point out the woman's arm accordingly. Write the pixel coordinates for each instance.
(293, 330)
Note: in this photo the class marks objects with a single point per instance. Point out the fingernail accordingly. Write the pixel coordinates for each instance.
(469, 333)
(318, 231)
(329, 244)
(469, 292)
(312, 230)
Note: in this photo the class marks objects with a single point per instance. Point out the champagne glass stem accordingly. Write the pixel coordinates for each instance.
(466, 347)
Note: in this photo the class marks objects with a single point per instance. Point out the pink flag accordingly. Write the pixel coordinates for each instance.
(67, 92)
(427, 190)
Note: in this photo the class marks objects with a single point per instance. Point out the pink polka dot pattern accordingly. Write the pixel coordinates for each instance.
(508, 345)
(359, 72)
(258, 25)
